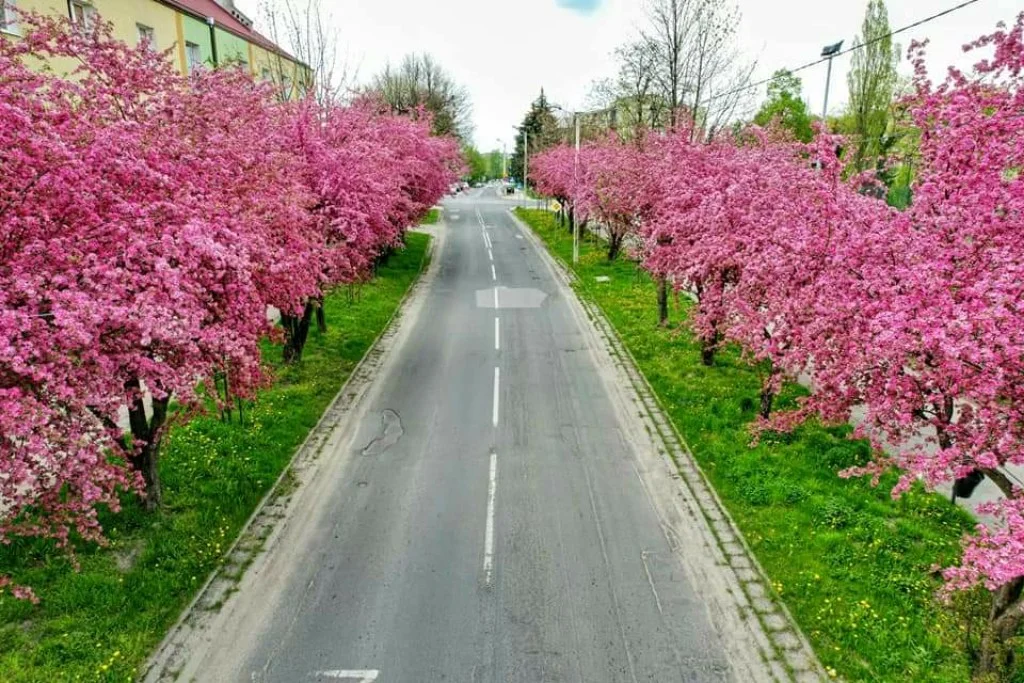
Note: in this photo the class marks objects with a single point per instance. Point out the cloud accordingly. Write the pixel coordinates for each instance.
(583, 6)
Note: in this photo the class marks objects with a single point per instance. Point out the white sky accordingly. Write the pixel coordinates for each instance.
(504, 52)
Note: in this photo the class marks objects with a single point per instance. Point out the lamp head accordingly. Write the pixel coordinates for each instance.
(832, 50)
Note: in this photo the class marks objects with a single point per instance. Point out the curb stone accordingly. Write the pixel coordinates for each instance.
(787, 653)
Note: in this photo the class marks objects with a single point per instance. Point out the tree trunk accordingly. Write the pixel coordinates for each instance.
(963, 487)
(572, 220)
(767, 397)
(321, 320)
(662, 300)
(614, 245)
(149, 432)
(708, 347)
(296, 331)
(767, 392)
(996, 656)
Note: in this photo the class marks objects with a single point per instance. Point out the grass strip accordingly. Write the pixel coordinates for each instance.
(852, 565)
(432, 217)
(100, 623)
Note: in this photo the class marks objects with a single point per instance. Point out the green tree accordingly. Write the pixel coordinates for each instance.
(541, 128)
(785, 105)
(495, 164)
(476, 164)
(872, 81)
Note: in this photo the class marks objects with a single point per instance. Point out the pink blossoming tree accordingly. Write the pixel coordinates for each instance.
(618, 188)
(147, 221)
(555, 173)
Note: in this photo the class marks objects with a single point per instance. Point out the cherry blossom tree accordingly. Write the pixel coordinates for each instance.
(683, 241)
(147, 221)
(555, 173)
(146, 255)
(372, 176)
(618, 188)
(942, 342)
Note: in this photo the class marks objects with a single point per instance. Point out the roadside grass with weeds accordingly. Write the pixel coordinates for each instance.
(101, 622)
(853, 566)
(432, 217)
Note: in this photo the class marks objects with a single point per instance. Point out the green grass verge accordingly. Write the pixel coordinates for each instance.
(852, 565)
(100, 623)
(432, 217)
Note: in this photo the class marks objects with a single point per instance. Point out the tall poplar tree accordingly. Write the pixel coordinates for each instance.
(872, 82)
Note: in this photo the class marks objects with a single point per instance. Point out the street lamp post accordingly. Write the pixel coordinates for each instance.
(212, 23)
(829, 51)
(575, 182)
(526, 162)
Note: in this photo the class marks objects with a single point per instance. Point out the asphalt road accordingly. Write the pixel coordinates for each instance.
(489, 525)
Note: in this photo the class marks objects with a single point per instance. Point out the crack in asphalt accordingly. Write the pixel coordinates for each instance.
(391, 431)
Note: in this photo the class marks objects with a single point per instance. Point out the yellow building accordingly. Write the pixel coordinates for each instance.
(198, 33)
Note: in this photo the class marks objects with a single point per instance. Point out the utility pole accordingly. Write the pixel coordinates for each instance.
(829, 51)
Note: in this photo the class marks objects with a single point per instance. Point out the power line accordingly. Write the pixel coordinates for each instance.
(843, 52)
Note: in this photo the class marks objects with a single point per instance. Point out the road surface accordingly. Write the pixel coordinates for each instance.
(490, 525)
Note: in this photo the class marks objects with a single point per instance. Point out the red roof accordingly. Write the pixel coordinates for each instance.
(225, 20)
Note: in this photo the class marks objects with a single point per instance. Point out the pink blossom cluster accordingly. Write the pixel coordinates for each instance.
(913, 319)
(147, 222)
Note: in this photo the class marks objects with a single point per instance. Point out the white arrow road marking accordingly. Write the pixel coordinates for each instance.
(492, 487)
(361, 675)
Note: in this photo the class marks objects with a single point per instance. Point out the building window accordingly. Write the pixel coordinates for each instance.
(83, 14)
(193, 56)
(147, 36)
(8, 19)
(286, 87)
(265, 74)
